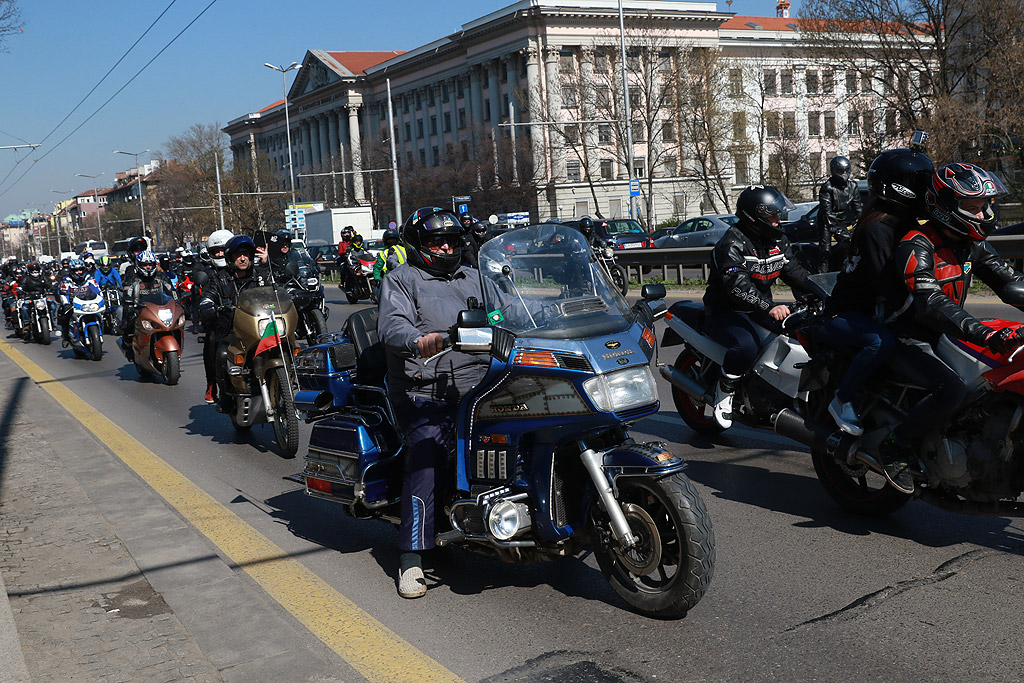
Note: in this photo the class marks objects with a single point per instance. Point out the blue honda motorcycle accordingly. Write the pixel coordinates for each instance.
(544, 466)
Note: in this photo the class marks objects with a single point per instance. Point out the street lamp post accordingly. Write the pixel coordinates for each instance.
(138, 173)
(56, 223)
(287, 121)
(96, 198)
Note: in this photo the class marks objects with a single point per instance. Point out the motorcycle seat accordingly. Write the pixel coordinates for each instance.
(690, 312)
(361, 328)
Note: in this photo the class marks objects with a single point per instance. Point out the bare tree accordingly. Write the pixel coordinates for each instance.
(10, 21)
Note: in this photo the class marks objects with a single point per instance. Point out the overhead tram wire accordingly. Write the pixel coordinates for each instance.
(98, 84)
(109, 99)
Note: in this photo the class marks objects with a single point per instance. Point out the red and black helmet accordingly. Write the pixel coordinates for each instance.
(962, 200)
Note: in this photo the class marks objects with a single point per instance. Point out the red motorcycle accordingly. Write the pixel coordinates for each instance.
(188, 294)
(359, 282)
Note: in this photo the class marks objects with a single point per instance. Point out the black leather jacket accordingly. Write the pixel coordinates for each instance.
(838, 209)
(220, 295)
(743, 269)
(937, 271)
(34, 285)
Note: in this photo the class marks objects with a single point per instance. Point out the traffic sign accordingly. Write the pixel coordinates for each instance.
(634, 188)
(392, 225)
(463, 208)
(465, 198)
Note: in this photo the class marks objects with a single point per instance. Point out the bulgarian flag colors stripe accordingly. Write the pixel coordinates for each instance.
(270, 339)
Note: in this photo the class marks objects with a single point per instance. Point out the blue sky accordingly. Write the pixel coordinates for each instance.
(213, 73)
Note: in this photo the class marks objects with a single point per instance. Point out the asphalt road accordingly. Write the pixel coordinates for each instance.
(801, 590)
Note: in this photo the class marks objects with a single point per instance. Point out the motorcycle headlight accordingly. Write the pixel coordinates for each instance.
(281, 327)
(608, 253)
(41, 305)
(90, 308)
(166, 316)
(146, 325)
(506, 518)
(313, 282)
(622, 389)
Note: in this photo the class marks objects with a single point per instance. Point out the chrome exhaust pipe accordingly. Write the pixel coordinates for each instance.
(818, 436)
(685, 384)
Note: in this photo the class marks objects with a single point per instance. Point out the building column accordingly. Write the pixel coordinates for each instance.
(305, 152)
(333, 143)
(355, 150)
(842, 109)
(554, 83)
(588, 112)
(325, 145)
(494, 87)
(532, 56)
(802, 135)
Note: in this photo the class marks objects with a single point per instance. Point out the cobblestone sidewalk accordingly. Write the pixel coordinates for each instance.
(82, 608)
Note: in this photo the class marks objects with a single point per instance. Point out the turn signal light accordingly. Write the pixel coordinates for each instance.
(318, 484)
(239, 359)
(668, 316)
(537, 359)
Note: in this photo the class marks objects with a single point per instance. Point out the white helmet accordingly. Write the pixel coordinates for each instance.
(218, 240)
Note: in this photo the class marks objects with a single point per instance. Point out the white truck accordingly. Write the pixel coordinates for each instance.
(324, 227)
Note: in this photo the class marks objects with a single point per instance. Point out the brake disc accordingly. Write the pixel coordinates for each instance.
(644, 557)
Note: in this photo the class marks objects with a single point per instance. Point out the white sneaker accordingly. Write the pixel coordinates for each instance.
(411, 583)
(845, 416)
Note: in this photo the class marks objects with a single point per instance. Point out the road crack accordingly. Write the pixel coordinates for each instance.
(871, 601)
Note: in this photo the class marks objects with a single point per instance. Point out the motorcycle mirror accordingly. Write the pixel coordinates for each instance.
(652, 292)
(473, 318)
(291, 270)
(200, 278)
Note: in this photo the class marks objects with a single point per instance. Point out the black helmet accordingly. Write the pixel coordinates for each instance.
(34, 269)
(237, 245)
(277, 243)
(426, 226)
(760, 209)
(391, 237)
(136, 247)
(898, 180)
(466, 219)
(586, 226)
(839, 168)
(346, 233)
(480, 227)
(954, 187)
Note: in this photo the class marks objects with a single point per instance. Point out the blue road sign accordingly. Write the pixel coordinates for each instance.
(634, 188)
(464, 198)
(463, 208)
(392, 225)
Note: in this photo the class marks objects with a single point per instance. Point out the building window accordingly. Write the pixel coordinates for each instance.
(869, 123)
(444, 92)
(668, 131)
(851, 82)
(606, 169)
(459, 88)
(739, 125)
(436, 157)
(865, 82)
(572, 171)
(769, 82)
(830, 124)
(772, 124)
(786, 78)
(572, 133)
(735, 82)
(602, 64)
(679, 204)
(742, 172)
(814, 164)
(504, 71)
(582, 207)
(408, 132)
(419, 101)
(504, 104)
(615, 207)
(852, 125)
(462, 118)
(814, 124)
(811, 82)
(639, 130)
(433, 125)
(603, 95)
(447, 122)
(639, 167)
(566, 64)
(430, 96)
(568, 97)
(789, 125)
(665, 61)
(828, 82)
(891, 129)
(604, 133)
(670, 165)
(405, 105)
(419, 129)
(423, 157)
(487, 109)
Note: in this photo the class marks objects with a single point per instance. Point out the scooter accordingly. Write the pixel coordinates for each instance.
(158, 337)
(544, 465)
(85, 329)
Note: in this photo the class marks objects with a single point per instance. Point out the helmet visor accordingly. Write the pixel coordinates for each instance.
(778, 209)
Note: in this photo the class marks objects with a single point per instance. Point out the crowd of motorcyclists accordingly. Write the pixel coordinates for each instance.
(904, 263)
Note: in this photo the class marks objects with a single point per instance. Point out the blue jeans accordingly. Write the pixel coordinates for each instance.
(429, 431)
(872, 342)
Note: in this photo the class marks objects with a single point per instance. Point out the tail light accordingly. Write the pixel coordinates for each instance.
(649, 243)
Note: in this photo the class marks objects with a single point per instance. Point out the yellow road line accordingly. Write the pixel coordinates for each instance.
(368, 646)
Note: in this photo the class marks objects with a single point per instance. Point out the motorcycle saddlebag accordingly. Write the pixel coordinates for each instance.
(351, 458)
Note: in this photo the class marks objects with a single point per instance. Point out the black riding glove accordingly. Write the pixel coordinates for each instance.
(1004, 340)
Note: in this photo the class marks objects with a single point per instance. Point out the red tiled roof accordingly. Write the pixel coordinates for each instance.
(271, 106)
(766, 23)
(359, 62)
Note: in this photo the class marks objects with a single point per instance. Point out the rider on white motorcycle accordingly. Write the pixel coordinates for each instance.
(745, 263)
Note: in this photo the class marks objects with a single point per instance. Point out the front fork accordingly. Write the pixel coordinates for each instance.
(592, 461)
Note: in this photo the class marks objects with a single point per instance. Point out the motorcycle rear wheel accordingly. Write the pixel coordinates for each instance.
(676, 549)
(689, 409)
(286, 421)
(95, 343)
(317, 325)
(860, 490)
(621, 279)
(172, 368)
(353, 298)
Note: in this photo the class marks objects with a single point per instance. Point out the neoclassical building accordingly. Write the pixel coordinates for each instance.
(528, 64)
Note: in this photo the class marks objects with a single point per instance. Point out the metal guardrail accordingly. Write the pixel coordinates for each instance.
(671, 262)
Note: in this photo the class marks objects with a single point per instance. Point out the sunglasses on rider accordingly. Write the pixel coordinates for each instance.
(438, 240)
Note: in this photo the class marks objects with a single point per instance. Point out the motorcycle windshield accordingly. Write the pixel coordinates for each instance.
(261, 301)
(158, 298)
(305, 266)
(87, 292)
(544, 281)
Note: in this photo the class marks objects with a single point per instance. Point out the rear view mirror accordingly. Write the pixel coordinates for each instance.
(200, 278)
(472, 318)
(652, 292)
(291, 270)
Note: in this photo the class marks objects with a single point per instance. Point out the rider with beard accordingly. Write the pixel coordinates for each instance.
(220, 296)
(839, 207)
(419, 303)
(745, 263)
(148, 280)
(936, 262)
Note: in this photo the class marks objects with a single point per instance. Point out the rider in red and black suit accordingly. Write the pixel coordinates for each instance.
(937, 261)
(745, 263)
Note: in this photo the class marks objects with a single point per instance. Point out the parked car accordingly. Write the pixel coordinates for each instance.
(702, 231)
(801, 209)
(621, 233)
(803, 229)
(323, 252)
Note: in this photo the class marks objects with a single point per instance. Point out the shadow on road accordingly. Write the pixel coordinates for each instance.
(7, 423)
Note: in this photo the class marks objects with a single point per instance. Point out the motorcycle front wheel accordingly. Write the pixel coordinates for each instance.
(172, 367)
(95, 343)
(669, 570)
(44, 332)
(286, 421)
(691, 410)
(353, 297)
(316, 325)
(621, 279)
